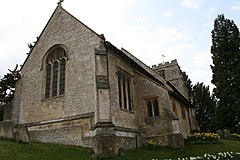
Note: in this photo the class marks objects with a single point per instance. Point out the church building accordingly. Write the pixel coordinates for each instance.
(76, 88)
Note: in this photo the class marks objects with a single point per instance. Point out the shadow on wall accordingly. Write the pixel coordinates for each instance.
(18, 133)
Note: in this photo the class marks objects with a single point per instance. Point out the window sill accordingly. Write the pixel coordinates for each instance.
(126, 110)
(53, 98)
(154, 117)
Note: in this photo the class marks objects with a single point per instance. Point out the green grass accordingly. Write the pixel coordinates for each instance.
(10, 150)
(187, 151)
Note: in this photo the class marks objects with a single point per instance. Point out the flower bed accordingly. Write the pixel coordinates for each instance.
(235, 136)
(218, 156)
(203, 138)
(155, 144)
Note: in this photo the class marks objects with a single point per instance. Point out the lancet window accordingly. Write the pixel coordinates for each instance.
(152, 107)
(124, 90)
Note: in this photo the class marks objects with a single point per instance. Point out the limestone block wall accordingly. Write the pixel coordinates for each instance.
(146, 89)
(184, 123)
(120, 117)
(71, 132)
(125, 120)
(79, 97)
(143, 88)
(16, 102)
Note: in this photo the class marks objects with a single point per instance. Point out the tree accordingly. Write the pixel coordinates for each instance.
(225, 51)
(7, 88)
(204, 104)
(188, 84)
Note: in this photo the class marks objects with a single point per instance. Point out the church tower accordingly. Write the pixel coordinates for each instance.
(172, 73)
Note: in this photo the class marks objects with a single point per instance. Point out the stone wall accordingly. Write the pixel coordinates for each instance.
(6, 130)
(79, 97)
(121, 117)
(10, 131)
(143, 88)
(64, 131)
(146, 89)
(89, 114)
(184, 123)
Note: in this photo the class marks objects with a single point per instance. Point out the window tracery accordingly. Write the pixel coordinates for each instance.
(55, 72)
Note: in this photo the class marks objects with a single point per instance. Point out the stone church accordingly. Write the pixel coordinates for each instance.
(76, 88)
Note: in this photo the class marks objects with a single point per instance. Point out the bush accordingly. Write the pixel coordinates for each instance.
(203, 138)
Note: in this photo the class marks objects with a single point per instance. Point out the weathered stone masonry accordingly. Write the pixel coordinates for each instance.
(110, 100)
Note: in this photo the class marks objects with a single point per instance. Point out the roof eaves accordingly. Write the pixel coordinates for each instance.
(148, 71)
(175, 93)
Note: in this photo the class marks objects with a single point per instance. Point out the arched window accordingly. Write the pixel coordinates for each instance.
(48, 80)
(55, 78)
(55, 72)
(62, 76)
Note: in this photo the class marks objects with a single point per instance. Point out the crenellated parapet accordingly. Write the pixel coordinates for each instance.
(172, 73)
(165, 64)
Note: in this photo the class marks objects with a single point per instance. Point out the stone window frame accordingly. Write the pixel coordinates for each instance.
(57, 55)
(175, 110)
(183, 111)
(152, 106)
(125, 92)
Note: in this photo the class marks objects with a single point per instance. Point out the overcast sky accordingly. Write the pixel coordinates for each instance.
(177, 29)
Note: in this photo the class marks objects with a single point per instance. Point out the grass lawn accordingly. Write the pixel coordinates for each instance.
(187, 151)
(10, 150)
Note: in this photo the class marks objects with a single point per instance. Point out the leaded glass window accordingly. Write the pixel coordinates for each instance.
(62, 76)
(124, 90)
(55, 72)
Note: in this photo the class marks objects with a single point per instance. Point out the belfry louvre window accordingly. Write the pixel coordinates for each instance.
(152, 107)
(55, 72)
(124, 90)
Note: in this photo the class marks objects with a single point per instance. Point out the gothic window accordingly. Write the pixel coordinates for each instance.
(62, 76)
(124, 90)
(55, 78)
(55, 72)
(48, 80)
(152, 107)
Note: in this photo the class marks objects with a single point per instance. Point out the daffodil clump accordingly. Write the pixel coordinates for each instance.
(235, 136)
(154, 144)
(218, 156)
(203, 138)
